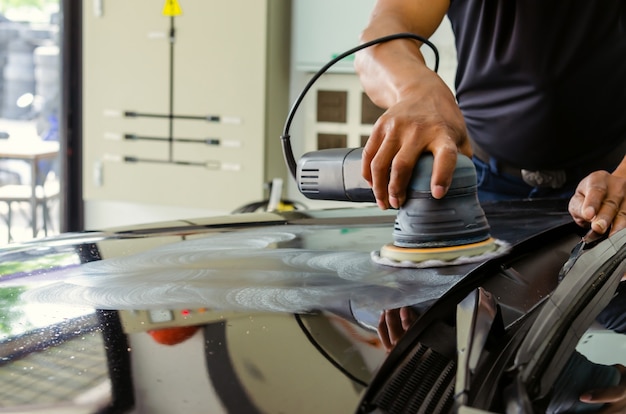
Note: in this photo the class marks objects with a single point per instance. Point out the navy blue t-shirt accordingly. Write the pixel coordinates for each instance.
(542, 83)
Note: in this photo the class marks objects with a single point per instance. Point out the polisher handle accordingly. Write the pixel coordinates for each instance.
(333, 174)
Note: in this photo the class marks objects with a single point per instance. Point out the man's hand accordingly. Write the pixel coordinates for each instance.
(600, 201)
(422, 113)
(426, 119)
(393, 324)
(613, 397)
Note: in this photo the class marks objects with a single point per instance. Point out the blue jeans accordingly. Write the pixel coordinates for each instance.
(494, 185)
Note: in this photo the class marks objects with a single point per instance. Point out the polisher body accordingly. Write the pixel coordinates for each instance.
(426, 228)
(454, 220)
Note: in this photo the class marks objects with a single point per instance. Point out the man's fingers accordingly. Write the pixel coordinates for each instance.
(594, 189)
(390, 328)
(619, 222)
(398, 138)
(575, 210)
(600, 200)
(608, 395)
(612, 212)
(586, 203)
(366, 172)
(369, 151)
(408, 316)
(394, 324)
(444, 163)
(383, 332)
(376, 162)
(605, 395)
(380, 170)
(392, 164)
(604, 218)
(402, 169)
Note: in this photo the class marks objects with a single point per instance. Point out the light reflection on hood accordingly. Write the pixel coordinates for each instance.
(242, 271)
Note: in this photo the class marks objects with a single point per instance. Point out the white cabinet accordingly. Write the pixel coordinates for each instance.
(187, 110)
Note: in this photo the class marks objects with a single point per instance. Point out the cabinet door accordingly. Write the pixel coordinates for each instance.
(175, 106)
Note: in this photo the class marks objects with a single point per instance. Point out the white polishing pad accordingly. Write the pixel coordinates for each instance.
(500, 247)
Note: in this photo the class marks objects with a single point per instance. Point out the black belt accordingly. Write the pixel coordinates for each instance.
(552, 178)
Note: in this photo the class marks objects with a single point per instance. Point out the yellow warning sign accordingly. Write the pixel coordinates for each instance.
(172, 8)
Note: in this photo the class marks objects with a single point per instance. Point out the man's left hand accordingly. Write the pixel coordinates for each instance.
(600, 201)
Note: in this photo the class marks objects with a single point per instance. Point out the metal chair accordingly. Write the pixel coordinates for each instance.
(46, 191)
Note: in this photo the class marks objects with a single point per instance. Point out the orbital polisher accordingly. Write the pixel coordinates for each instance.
(426, 228)
(428, 231)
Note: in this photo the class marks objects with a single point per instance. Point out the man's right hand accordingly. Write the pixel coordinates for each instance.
(421, 111)
(426, 119)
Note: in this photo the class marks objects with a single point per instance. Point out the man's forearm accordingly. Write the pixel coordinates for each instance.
(387, 69)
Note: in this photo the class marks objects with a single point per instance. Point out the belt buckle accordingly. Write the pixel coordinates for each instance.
(545, 178)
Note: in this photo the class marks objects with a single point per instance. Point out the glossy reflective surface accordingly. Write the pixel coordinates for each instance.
(246, 313)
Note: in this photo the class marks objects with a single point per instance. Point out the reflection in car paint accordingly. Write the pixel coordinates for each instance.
(247, 270)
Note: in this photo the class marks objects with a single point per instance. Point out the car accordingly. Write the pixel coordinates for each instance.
(280, 312)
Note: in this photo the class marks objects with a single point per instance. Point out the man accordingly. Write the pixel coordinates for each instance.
(541, 91)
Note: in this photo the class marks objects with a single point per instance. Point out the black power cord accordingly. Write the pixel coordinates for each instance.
(286, 138)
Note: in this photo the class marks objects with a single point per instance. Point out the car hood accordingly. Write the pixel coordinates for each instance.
(258, 312)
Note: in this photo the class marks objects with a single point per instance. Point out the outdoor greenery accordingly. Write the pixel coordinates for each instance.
(8, 313)
(9, 296)
(39, 4)
(49, 261)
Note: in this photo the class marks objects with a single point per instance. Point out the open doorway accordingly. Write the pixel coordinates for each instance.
(31, 99)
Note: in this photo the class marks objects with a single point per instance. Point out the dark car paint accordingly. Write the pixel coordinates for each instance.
(541, 234)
